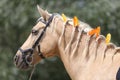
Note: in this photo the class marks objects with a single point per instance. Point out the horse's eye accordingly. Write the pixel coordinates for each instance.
(35, 32)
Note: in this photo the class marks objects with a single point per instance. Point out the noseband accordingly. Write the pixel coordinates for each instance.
(36, 44)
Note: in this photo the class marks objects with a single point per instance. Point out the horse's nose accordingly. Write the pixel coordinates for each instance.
(16, 58)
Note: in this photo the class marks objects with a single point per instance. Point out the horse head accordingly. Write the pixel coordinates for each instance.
(41, 43)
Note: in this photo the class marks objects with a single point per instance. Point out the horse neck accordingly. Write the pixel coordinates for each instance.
(78, 50)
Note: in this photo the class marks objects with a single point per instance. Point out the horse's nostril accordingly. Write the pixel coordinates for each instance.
(16, 59)
(29, 59)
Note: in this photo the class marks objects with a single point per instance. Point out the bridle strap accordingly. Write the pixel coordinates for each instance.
(40, 53)
(42, 33)
(36, 43)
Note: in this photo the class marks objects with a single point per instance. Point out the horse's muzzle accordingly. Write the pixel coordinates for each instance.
(18, 61)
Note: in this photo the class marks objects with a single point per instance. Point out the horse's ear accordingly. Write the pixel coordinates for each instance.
(43, 13)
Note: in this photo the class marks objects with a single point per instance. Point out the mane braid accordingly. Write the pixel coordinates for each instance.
(63, 31)
(53, 28)
(69, 44)
(86, 49)
(78, 39)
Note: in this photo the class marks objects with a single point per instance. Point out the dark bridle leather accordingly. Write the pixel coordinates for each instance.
(36, 44)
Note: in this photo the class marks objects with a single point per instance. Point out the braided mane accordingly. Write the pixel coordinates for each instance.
(84, 49)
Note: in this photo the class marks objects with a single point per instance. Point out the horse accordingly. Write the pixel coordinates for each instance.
(84, 56)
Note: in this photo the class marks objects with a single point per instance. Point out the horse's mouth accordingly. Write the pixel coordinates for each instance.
(23, 66)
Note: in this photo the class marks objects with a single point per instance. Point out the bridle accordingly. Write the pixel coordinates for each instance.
(36, 44)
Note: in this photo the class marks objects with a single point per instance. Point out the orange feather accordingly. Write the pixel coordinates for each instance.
(76, 21)
(95, 31)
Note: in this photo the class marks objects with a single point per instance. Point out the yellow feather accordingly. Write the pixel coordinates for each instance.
(108, 38)
(64, 18)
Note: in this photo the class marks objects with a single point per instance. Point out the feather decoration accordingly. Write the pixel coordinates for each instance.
(95, 31)
(108, 38)
(64, 17)
(75, 21)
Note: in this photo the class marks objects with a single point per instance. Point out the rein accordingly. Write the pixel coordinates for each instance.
(36, 44)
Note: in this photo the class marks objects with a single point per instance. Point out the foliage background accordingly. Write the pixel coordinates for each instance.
(17, 17)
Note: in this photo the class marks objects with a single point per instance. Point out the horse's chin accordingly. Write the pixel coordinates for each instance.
(23, 66)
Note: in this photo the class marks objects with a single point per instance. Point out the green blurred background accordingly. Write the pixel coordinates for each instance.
(17, 17)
